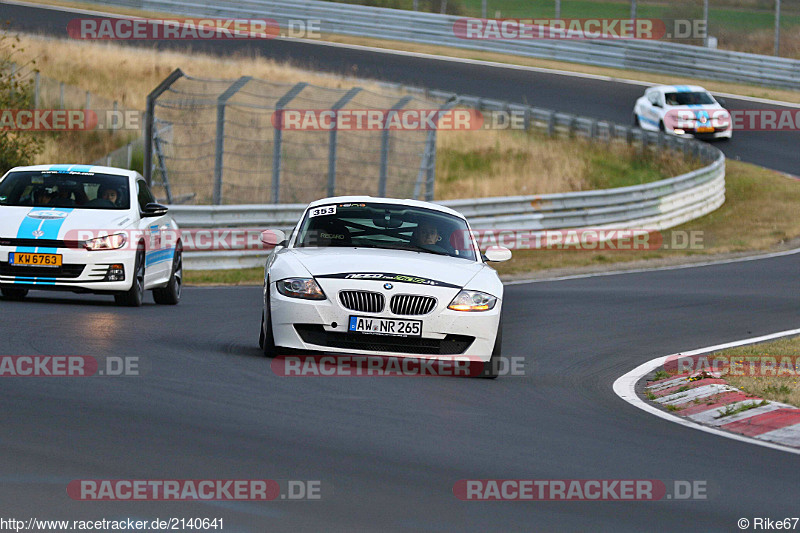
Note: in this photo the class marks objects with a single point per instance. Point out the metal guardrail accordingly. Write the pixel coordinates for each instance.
(431, 28)
(653, 206)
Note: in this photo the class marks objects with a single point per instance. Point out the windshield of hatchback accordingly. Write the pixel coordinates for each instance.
(82, 190)
(689, 98)
(386, 226)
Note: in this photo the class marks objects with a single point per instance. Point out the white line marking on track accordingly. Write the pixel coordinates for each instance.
(624, 387)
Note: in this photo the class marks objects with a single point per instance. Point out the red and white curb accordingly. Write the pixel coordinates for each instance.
(709, 400)
(702, 403)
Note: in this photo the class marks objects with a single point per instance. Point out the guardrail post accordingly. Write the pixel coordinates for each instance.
(61, 95)
(88, 100)
(551, 123)
(349, 95)
(593, 129)
(222, 101)
(527, 119)
(149, 117)
(278, 137)
(385, 147)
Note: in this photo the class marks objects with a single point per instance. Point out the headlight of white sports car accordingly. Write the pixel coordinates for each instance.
(472, 301)
(108, 242)
(305, 288)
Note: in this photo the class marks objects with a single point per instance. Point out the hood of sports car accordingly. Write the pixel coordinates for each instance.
(57, 222)
(367, 263)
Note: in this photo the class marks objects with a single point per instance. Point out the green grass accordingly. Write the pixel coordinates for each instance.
(729, 410)
(661, 374)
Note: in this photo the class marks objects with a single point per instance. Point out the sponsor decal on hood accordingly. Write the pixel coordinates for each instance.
(387, 276)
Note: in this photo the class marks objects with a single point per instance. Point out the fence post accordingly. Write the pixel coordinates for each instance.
(88, 101)
(278, 137)
(129, 155)
(349, 95)
(115, 118)
(427, 165)
(222, 101)
(384, 172)
(148, 123)
(61, 95)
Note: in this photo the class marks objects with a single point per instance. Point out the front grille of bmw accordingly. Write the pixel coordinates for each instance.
(409, 304)
(362, 301)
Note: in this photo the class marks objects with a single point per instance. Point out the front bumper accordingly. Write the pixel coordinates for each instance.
(322, 326)
(81, 271)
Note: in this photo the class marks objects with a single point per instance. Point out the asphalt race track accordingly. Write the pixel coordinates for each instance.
(391, 449)
(386, 450)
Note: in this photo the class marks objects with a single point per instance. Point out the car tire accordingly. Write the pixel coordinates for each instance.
(661, 127)
(491, 368)
(266, 340)
(14, 294)
(171, 293)
(134, 296)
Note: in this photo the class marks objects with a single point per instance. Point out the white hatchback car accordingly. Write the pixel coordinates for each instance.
(683, 110)
(84, 228)
(379, 276)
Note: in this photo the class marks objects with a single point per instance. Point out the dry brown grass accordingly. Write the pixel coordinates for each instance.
(127, 74)
(476, 164)
(783, 388)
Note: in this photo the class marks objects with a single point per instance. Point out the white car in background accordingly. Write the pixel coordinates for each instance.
(379, 276)
(84, 228)
(682, 110)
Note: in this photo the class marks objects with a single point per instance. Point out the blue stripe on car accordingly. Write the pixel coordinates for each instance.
(160, 256)
(49, 229)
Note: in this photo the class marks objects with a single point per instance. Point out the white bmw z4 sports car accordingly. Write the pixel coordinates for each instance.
(682, 110)
(84, 228)
(379, 276)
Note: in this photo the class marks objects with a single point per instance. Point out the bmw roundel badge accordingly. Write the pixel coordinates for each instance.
(388, 286)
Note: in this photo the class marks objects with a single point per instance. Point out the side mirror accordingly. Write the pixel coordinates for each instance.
(155, 210)
(721, 101)
(497, 254)
(273, 237)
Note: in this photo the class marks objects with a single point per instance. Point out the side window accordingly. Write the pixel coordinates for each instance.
(653, 97)
(144, 194)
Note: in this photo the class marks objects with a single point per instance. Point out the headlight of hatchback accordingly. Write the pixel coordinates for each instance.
(305, 288)
(108, 242)
(472, 301)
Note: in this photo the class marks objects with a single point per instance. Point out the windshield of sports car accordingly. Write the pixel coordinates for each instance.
(689, 98)
(81, 190)
(386, 226)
